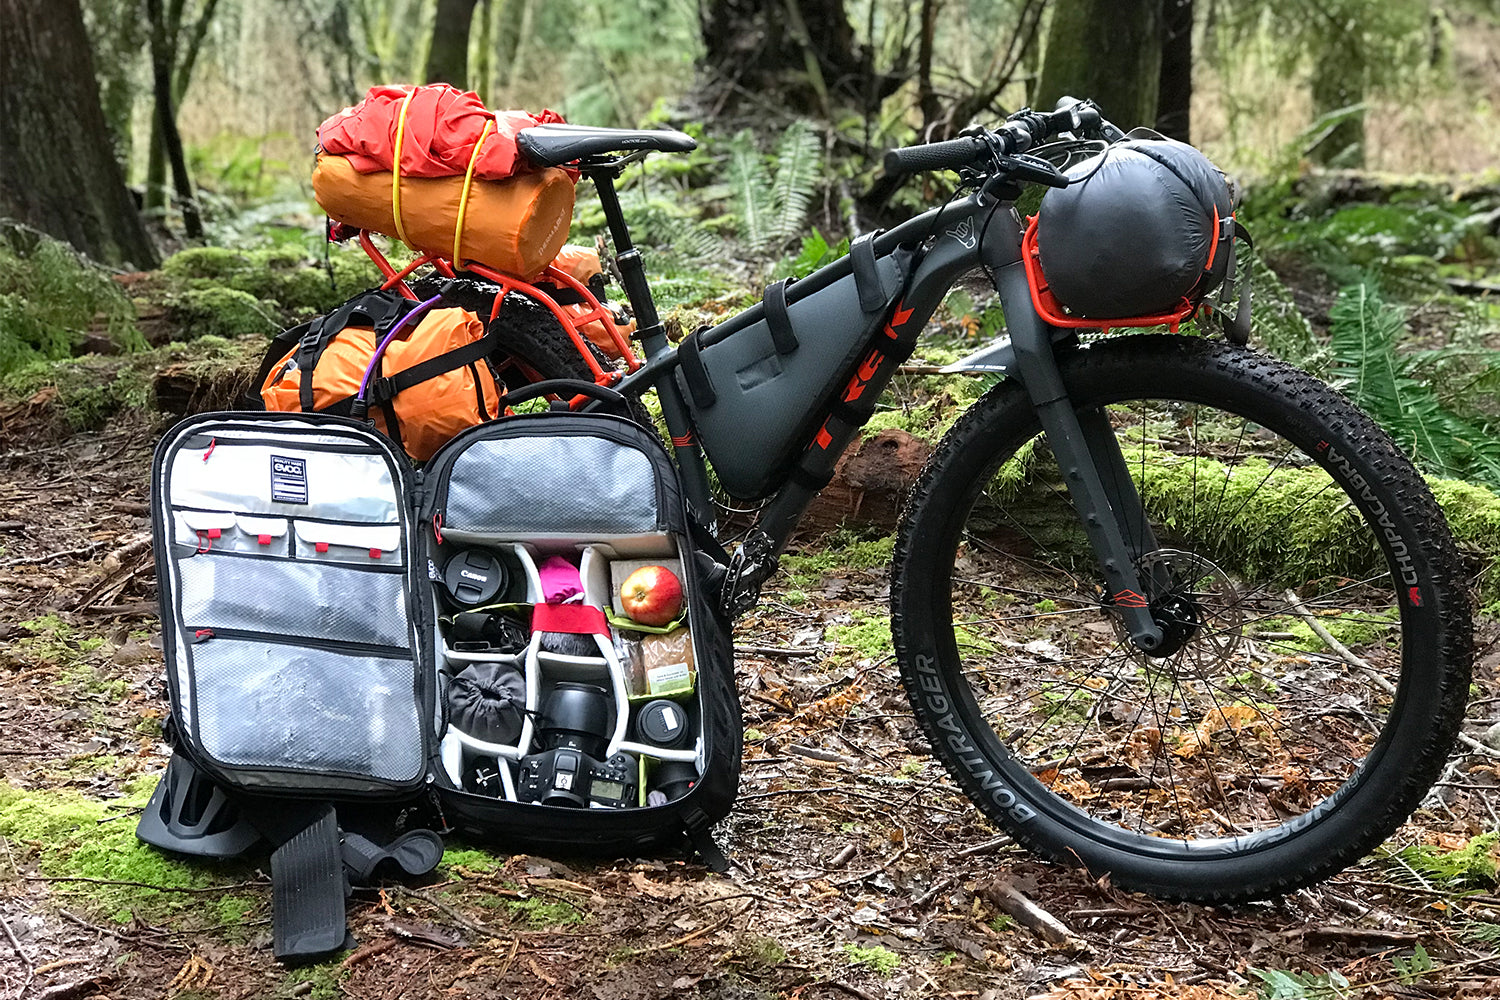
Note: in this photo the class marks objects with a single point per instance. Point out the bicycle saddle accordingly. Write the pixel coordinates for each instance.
(551, 145)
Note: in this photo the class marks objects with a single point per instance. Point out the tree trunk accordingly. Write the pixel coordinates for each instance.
(1174, 97)
(1107, 50)
(799, 53)
(163, 55)
(448, 57)
(927, 98)
(55, 172)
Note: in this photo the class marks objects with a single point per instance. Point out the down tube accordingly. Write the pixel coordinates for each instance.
(955, 234)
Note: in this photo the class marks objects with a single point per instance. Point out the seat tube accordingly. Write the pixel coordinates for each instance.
(685, 447)
(1085, 458)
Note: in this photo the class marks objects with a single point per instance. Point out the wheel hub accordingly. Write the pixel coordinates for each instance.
(1194, 603)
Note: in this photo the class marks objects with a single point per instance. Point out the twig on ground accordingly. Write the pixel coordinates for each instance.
(853, 991)
(121, 936)
(141, 885)
(842, 857)
(931, 893)
(39, 560)
(775, 651)
(1343, 651)
(1337, 932)
(20, 952)
(1044, 924)
(876, 870)
(450, 912)
(984, 848)
(700, 932)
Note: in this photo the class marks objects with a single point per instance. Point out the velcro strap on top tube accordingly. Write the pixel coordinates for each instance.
(700, 386)
(872, 297)
(778, 320)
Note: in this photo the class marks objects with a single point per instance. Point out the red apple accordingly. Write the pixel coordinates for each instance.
(652, 595)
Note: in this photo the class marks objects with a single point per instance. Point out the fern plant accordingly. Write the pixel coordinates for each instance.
(1401, 390)
(772, 205)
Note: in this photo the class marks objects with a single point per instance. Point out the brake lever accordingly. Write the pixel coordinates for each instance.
(1031, 168)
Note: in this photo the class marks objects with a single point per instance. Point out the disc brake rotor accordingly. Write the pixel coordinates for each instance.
(1198, 607)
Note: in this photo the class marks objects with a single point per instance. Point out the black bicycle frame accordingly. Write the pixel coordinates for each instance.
(979, 230)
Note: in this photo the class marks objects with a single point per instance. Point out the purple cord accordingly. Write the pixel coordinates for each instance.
(417, 310)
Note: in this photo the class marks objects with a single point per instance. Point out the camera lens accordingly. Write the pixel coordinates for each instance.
(672, 779)
(474, 577)
(576, 716)
(663, 723)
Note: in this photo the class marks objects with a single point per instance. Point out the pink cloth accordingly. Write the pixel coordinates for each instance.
(442, 126)
(560, 580)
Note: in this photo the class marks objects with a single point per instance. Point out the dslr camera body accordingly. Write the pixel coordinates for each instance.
(566, 776)
(569, 771)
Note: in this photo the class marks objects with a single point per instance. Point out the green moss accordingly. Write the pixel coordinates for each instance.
(455, 858)
(843, 549)
(73, 836)
(869, 636)
(760, 951)
(1354, 629)
(223, 312)
(1473, 514)
(314, 982)
(878, 959)
(540, 913)
(288, 284)
(50, 298)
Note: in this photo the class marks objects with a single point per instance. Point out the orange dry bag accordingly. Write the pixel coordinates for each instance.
(431, 381)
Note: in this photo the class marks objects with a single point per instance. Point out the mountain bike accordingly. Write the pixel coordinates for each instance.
(1164, 607)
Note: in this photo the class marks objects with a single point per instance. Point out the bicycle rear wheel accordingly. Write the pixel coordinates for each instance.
(1319, 634)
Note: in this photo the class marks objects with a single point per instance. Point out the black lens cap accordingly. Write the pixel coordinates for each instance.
(663, 723)
(474, 576)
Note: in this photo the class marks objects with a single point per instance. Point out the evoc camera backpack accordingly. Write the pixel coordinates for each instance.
(362, 654)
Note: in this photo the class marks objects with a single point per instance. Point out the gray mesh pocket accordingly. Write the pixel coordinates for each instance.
(317, 601)
(278, 706)
(551, 485)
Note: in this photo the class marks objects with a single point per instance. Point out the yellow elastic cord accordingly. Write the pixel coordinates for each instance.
(396, 167)
(463, 198)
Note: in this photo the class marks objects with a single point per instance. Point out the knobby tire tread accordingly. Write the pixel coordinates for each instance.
(1403, 776)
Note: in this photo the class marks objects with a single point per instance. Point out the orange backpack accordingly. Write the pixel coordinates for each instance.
(430, 381)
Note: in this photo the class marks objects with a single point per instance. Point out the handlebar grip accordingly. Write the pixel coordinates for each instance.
(951, 154)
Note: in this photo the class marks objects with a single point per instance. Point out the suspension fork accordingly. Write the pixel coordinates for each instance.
(1089, 457)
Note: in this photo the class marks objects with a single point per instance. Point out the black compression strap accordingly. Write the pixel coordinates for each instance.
(561, 294)
(309, 350)
(378, 309)
(872, 297)
(284, 342)
(387, 388)
(700, 386)
(778, 320)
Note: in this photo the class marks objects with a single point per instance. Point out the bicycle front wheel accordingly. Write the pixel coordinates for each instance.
(1318, 629)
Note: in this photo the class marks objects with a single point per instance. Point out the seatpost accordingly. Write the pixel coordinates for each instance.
(632, 268)
(653, 343)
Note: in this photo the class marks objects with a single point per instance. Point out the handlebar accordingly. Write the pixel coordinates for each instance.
(1021, 131)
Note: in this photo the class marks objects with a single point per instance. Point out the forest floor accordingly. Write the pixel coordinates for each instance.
(858, 869)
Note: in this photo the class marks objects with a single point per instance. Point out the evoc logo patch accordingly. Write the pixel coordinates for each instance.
(288, 479)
